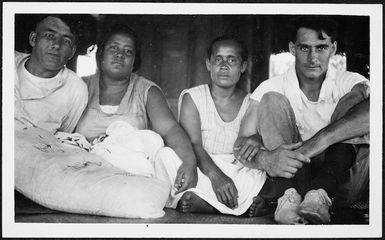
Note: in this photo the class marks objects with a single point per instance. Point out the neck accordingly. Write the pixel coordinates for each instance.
(108, 83)
(37, 71)
(222, 93)
(311, 87)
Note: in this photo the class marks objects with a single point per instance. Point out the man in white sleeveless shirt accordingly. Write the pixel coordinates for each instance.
(48, 94)
(325, 108)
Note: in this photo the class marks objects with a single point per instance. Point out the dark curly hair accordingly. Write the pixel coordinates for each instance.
(119, 29)
(317, 23)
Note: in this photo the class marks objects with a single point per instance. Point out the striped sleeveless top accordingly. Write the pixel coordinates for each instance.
(218, 136)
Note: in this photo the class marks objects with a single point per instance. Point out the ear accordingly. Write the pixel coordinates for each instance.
(73, 50)
(292, 48)
(243, 66)
(32, 39)
(334, 48)
(133, 62)
(208, 64)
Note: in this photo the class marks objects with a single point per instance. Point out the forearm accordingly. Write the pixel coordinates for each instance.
(354, 123)
(204, 161)
(178, 140)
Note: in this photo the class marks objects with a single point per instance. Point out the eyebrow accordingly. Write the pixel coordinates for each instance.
(318, 45)
(71, 36)
(219, 55)
(118, 43)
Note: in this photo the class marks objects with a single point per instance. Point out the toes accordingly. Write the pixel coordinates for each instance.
(186, 202)
(257, 207)
(185, 207)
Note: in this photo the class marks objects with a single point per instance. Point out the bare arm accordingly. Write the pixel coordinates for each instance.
(249, 141)
(164, 124)
(347, 124)
(223, 186)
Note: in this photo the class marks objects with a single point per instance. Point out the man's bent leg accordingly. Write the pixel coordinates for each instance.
(357, 185)
(276, 121)
(277, 126)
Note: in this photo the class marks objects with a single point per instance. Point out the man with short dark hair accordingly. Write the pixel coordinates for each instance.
(47, 94)
(316, 103)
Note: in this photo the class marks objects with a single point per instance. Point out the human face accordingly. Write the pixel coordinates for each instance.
(52, 46)
(312, 54)
(118, 56)
(225, 65)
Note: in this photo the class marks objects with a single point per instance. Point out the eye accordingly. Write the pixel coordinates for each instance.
(217, 60)
(68, 41)
(49, 36)
(304, 48)
(128, 52)
(322, 48)
(232, 60)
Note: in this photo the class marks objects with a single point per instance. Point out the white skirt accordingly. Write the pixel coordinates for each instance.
(247, 181)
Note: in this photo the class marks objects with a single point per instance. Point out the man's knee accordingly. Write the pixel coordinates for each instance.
(348, 101)
(270, 99)
(276, 120)
(273, 103)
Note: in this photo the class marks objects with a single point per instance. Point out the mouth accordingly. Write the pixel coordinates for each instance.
(55, 55)
(312, 67)
(117, 62)
(223, 76)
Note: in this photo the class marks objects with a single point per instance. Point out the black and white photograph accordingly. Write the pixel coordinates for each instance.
(193, 120)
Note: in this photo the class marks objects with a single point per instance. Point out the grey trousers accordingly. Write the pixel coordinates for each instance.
(342, 170)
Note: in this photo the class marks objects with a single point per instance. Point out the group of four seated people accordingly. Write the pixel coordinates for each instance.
(295, 137)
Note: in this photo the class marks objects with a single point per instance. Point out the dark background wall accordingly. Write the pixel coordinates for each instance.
(174, 46)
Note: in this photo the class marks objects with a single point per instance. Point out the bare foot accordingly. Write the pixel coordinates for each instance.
(259, 207)
(191, 203)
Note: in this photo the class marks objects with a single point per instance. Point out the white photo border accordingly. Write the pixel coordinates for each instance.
(12, 229)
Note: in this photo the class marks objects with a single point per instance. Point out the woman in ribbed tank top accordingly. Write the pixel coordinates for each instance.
(211, 114)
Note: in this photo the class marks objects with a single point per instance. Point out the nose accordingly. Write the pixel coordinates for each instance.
(57, 42)
(224, 64)
(312, 56)
(118, 53)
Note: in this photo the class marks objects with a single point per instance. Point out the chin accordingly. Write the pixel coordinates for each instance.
(313, 74)
(54, 67)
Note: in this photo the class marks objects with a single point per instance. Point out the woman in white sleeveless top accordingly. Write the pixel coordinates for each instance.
(211, 115)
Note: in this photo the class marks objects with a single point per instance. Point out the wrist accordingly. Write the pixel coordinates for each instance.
(190, 164)
(314, 145)
(212, 174)
(259, 160)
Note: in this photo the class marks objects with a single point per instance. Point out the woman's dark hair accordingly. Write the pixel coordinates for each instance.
(119, 29)
(317, 23)
(226, 38)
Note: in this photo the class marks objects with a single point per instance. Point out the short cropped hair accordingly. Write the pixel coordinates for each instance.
(71, 20)
(119, 29)
(226, 38)
(319, 24)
